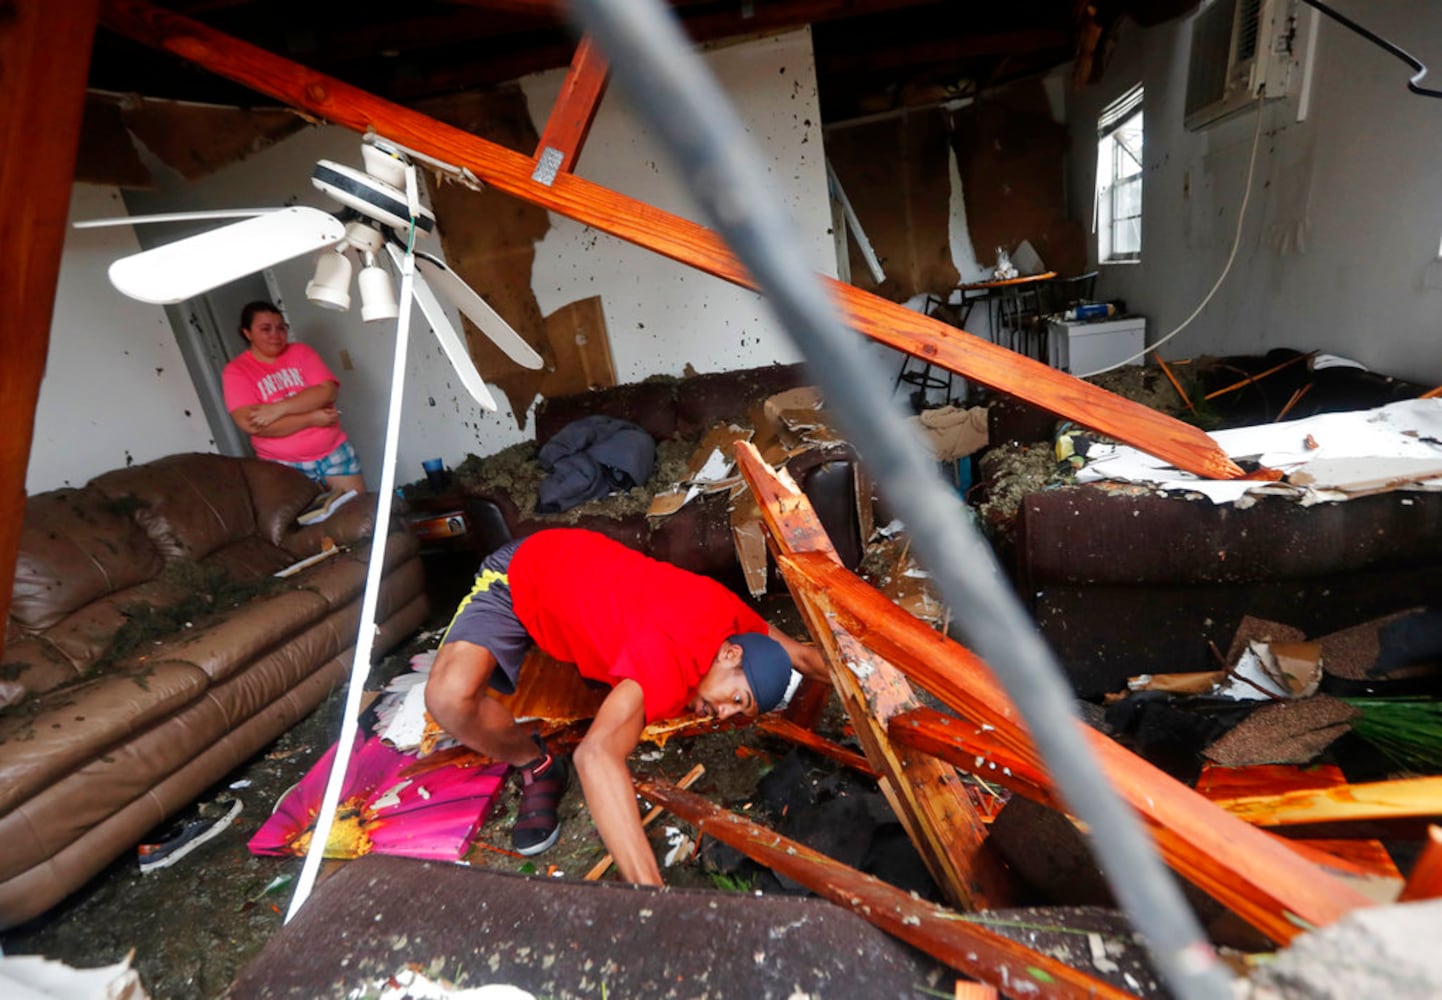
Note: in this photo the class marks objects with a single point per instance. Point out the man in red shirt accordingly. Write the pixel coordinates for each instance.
(665, 640)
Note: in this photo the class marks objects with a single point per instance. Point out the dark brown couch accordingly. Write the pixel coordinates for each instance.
(99, 744)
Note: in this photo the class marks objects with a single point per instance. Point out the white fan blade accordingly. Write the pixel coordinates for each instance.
(136, 220)
(194, 265)
(449, 284)
(451, 342)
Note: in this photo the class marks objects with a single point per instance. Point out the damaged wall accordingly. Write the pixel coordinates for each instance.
(1339, 250)
(661, 316)
(115, 390)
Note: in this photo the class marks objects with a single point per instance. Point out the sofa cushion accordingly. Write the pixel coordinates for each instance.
(279, 493)
(232, 640)
(56, 732)
(251, 558)
(75, 546)
(94, 632)
(190, 505)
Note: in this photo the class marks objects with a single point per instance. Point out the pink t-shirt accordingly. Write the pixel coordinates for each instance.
(249, 380)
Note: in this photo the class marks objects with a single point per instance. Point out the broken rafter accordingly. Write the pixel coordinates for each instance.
(1246, 869)
(965, 945)
(571, 117)
(669, 235)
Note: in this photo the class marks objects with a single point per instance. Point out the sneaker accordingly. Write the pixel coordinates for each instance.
(538, 824)
(184, 839)
(325, 505)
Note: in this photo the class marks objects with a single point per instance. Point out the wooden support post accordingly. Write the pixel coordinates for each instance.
(1425, 880)
(669, 235)
(44, 56)
(571, 117)
(1246, 869)
(927, 794)
(966, 945)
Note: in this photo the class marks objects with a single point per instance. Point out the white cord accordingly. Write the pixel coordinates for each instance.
(1236, 242)
(365, 638)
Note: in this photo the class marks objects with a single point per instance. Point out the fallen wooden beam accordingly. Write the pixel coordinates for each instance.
(669, 235)
(927, 795)
(967, 946)
(1244, 868)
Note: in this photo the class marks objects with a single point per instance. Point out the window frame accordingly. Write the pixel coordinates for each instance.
(1121, 137)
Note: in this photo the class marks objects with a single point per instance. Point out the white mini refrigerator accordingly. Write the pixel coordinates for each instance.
(1083, 348)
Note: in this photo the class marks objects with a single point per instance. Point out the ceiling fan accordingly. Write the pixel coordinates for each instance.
(380, 219)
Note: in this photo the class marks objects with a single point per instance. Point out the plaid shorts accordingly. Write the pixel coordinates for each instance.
(341, 462)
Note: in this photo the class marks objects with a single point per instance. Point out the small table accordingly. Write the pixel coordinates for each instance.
(1003, 297)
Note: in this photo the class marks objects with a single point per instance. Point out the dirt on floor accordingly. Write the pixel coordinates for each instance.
(192, 926)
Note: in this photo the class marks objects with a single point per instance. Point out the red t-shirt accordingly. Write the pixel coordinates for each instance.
(616, 613)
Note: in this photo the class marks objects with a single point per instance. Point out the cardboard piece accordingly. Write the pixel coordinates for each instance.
(750, 536)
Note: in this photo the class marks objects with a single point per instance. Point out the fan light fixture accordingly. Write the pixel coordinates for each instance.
(330, 288)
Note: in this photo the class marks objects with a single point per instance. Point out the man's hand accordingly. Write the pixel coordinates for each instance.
(601, 763)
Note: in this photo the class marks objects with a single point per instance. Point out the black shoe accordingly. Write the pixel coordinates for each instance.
(538, 822)
(179, 842)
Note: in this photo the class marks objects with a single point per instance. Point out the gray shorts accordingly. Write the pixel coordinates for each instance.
(487, 618)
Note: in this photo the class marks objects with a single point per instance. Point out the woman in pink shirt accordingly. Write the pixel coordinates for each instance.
(283, 396)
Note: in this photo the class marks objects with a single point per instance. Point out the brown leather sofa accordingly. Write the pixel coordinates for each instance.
(100, 743)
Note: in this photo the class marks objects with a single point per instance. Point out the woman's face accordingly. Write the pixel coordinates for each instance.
(267, 335)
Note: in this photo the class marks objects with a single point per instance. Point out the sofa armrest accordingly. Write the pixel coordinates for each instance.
(349, 524)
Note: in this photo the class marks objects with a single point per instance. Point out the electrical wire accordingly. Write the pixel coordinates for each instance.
(1415, 83)
(652, 60)
(1226, 269)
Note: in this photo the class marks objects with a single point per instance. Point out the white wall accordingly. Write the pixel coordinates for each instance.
(1339, 250)
(116, 390)
(661, 315)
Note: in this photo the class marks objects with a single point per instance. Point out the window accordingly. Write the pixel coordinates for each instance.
(1119, 179)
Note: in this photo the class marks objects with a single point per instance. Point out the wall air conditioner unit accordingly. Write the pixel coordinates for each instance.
(1242, 50)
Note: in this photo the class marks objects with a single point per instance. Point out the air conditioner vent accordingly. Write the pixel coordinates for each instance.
(1241, 50)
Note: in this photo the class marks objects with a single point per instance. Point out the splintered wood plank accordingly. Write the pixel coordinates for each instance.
(787, 730)
(927, 795)
(571, 117)
(669, 235)
(1401, 799)
(44, 56)
(1244, 868)
(1358, 856)
(971, 948)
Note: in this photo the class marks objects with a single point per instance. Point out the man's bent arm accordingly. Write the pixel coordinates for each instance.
(805, 659)
(601, 763)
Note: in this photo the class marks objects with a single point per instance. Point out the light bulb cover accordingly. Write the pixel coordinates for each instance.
(378, 298)
(330, 287)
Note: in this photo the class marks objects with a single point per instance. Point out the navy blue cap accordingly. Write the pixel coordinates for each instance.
(767, 667)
